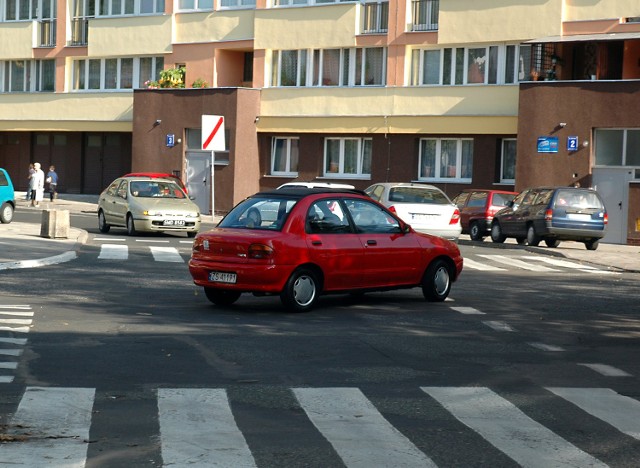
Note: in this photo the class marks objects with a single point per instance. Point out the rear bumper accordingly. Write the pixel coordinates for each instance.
(251, 277)
(450, 234)
(573, 234)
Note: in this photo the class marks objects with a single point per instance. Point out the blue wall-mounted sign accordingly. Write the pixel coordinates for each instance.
(547, 144)
(572, 143)
(171, 140)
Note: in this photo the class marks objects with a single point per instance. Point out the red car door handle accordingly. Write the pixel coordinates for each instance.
(372, 242)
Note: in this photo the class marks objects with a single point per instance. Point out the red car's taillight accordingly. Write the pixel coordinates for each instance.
(455, 217)
(260, 251)
(548, 215)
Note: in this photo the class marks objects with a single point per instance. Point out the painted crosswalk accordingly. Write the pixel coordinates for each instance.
(157, 252)
(199, 426)
(15, 322)
(539, 264)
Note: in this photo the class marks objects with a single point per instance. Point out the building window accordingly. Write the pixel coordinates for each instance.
(20, 76)
(128, 7)
(237, 3)
(424, 15)
(508, 161)
(443, 159)
(195, 5)
(375, 17)
(347, 157)
(358, 66)
(462, 66)
(115, 73)
(284, 156)
(617, 147)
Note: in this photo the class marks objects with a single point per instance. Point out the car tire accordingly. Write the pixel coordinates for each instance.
(102, 223)
(475, 233)
(552, 243)
(131, 227)
(436, 281)
(592, 244)
(532, 238)
(521, 240)
(301, 290)
(221, 297)
(6, 213)
(496, 233)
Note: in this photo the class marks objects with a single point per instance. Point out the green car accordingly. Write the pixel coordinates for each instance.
(7, 197)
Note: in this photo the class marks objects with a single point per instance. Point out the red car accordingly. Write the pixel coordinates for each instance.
(159, 175)
(477, 208)
(301, 243)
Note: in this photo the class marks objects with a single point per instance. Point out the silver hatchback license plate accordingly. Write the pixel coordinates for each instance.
(173, 222)
(222, 277)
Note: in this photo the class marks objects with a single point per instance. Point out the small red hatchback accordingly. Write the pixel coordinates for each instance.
(477, 207)
(301, 243)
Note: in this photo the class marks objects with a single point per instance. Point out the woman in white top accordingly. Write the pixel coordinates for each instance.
(36, 184)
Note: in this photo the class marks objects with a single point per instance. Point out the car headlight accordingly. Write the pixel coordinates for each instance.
(151, 213)
(193, 215)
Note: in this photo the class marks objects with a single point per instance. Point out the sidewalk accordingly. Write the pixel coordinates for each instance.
(21, 245)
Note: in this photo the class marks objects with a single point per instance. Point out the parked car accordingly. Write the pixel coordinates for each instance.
(302, 243)
(7, 197)
(553, 214)
(427, 208)
(316, 185)
(477, 207)
(147, 204)
(159, 175)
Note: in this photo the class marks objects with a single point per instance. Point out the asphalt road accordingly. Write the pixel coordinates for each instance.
(521, 364)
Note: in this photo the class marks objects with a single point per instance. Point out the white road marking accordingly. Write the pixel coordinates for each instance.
(622, 412)
(11, 352)
(16, 321)
(558, 262)
(18, 314)
(468, 310)
(19, 307)
(526, 441)
(514, 262)
(606, 370)
(109, 239)
(16, 341)
(151, 241)
(547, 347)
(113, 252)
(361, 436)
(8, 365)
(499, 326)
(15, 329)
(468, 263)
(166, 254)
(55, 424)
(61, 258)
(197, 429)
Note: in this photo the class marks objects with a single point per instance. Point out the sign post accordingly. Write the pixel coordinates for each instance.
(213, 140)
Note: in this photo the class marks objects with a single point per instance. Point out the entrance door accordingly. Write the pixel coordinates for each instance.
(199, 179)
(613, 186)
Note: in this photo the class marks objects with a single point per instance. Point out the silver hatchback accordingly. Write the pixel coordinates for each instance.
(147, 204)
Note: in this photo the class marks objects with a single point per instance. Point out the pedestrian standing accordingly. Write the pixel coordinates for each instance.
(31, 171)
(52, 180)
(37, 185)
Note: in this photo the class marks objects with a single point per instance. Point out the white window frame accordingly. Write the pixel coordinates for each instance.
(32, 78)
(437, 168)
(597, 136)
(288, 172)
(363, 144)
(236, 4)
(110, 5)
(375, 16)
(84, 66)
(503, 163)
(198, 5)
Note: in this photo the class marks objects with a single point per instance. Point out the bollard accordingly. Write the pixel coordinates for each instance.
(55, 224)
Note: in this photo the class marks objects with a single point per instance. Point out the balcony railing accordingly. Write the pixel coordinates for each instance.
(79, 32)
(47, 33)
(375, 17)
(424, 15)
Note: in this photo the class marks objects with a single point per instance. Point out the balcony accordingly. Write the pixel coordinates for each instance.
(424, 15)
(375, 17)
(79, 32)
(46, 33)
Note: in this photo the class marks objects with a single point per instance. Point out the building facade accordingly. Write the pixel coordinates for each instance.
(455, 93)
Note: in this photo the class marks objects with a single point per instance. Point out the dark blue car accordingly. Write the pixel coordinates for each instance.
(7, 197)
(552, 214)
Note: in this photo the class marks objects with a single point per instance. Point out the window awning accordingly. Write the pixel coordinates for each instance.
(586, 38)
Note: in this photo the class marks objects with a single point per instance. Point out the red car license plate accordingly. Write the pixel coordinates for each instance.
(222, 277)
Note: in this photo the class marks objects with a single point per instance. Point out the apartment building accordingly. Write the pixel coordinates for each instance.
(455, 93)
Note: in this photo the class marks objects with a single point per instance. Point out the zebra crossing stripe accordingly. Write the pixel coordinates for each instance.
(514, 262)
(54, 425)
(113, 252)
(620, 411)
(527, 442)
(166, 254)
(468, 310)
(197, 429)
(606, 370)
(361, 436)
(468, 263)
(560, 263)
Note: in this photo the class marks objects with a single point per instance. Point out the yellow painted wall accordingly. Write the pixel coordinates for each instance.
(589, 10)
(72, 111)
(468, 21)
(225, 25)
(394, 102)
(16, 40)
(137, 35)
(310, 27)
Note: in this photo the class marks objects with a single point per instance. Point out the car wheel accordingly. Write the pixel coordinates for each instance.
(521, 240)
(301, 291)
(102, 223)
(131, 227)
(496, 233)
(475, 233)
(221, 297)
(6, 213)
(592, 244)
(436, 282)
(532, 238)
(553, 243)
